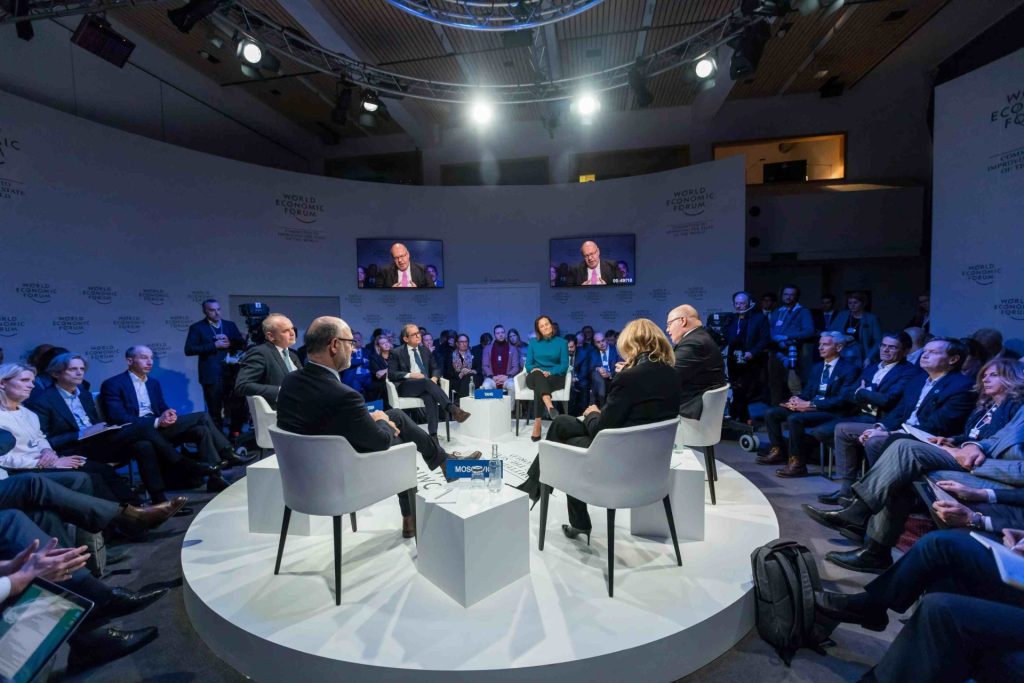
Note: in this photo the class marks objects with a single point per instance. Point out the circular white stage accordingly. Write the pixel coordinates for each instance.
(557, 624)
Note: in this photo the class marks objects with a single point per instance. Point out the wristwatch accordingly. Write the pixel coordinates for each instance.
(977, 521)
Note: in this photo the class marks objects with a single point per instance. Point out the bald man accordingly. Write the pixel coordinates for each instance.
(594, 271)
(314, 401)
(698, 359)
(403, 272)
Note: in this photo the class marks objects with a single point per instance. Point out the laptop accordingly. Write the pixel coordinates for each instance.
(34, 628)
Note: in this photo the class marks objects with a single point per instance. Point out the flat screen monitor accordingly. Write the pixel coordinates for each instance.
(602, 260)
(399, 263)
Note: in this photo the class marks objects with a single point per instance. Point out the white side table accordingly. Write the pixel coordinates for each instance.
(266, 503)
(687, 496)
(489, 417)
(471, 543)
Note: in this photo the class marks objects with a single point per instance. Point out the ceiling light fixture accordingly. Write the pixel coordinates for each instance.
(370, 102)
(705, 67)
(481, 112)
(186, 16)
(587, 105)
(249, 51)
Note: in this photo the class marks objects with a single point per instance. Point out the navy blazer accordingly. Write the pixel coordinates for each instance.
(757, 337)
(595, 358)
(200, 342)
(844, 375)
(1000, 418)
(889, 392)
(582, 364)
(399, 364)
(943, 411)
(121, 406)
(55, 418)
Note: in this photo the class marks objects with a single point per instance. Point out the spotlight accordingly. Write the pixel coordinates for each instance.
(638, 84)
(249, 51)
(748, 47)
(587, 105)
(186, 17)
(705, 67)
(811, 6)
(370, 102)
(481, 112)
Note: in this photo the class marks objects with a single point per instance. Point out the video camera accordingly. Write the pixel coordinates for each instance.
(254, 313)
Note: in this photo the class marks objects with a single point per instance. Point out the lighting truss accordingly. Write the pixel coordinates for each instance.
(494, 16)
(51, 9)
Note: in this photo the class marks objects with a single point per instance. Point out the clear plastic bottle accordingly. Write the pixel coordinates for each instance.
(495, 471)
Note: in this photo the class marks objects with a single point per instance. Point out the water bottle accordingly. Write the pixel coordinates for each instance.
(472, 387)
(495, 471)
(791, 357)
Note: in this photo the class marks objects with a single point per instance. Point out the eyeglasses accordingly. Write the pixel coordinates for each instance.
(350, 341)
(669, 323)
(414, 334)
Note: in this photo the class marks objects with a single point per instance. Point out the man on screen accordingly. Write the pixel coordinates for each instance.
(403, 272)
(594, 271)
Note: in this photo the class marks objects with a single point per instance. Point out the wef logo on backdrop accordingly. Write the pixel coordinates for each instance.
(1012, 308)
(303, 208)
(100, 294)
(692, 201)
(157, 297)
(10, 324)
(9, 146)
(40, 292)
(131, 324)
(71, 324)
(981, 273)
(180, 323)
(103, 353)
(1012, 113)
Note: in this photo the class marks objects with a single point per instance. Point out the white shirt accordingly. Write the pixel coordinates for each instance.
(876, 380)
(411, 351)
(142, 397)
(30, 442)
(74, 404)
(929, 383)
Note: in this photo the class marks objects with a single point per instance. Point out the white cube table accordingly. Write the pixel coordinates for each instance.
(471, 543)
(489, 417)
(266, 503)
(687, 496)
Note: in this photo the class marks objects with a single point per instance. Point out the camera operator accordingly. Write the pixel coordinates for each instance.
(746, 334)
(216, 342)
(791, 326)
(265, 365)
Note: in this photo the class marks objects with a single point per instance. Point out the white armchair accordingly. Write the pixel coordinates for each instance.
(263, 417)
(406, 403)
(324, 475)
(622, 468)
(705, 432)
(525, 394)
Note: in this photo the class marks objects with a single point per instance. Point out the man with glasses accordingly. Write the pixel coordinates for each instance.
(698, 359)
(314, 401)
(415, 375)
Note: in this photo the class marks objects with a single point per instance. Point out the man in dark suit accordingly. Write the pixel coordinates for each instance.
(68, 416)
(402, 272)
(581, 363)
(133, 397)
(698, 359)
(414, 374)
(824, 316)
(822, 400)
(212, 339)
(314, 401)
(603, 361)
(746, 335)
(264, 366)
(594, 271)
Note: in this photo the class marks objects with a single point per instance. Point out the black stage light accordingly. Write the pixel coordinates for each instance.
(185, 17)
(23, 29)
(747, 49)
(638, 84)
(96, 35)
(342, 103)
(765, 8)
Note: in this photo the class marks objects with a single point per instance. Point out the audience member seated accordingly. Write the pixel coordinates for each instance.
(40, 359)
(604, 359)
(135, 397)
(358, 374)
(414, 374)
(314, 401)
(937, 401)
(698, 360)
(516, 340)
(823, 400)
(462, 373)
(501, 362)
(547, 361)
(478, 353)
(968, 624)
(976, 357)
(824, 316)
(884, 498)
(918, 339)
(747, 338)
(264, 366)
(861, 326)
(880, 390)
(379, 361)
(922, 318)
(580, 364)
(645, 391)
(791, 328)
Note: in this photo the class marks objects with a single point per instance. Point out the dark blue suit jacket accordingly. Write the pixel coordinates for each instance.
(595, 358)
(943, 411)
(120, 405)
(889, 392)
(200, 342)
(843, 376)
(55, 418)
(582, 364)
(757, 338)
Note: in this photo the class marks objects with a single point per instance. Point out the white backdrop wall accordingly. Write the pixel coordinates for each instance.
(977, 278)
(113, 239)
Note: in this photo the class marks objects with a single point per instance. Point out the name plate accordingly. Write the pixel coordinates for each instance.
(488, 393)
(463, 469)
(375, 405)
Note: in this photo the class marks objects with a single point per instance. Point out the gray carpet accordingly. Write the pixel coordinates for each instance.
(179, 655)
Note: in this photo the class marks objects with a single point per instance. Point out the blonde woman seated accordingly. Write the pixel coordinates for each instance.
(646, 390)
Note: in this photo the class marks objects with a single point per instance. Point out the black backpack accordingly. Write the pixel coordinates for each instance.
(785, 578)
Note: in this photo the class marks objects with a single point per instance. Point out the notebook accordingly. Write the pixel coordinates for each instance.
(1009, 563)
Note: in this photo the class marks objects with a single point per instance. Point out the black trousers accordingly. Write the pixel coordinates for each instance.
(598, 387)
(432, 395)
(543, 386)
(198, 429)
(56, 493)
(798, 424)
(744, 380)
(568, 430)
(219, 396)
(428, 446)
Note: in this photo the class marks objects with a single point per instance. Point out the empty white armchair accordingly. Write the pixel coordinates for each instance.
(522, 393)
(407, 403)
(263, 417)
(622, 468)
(324, 475)
(705, 432)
